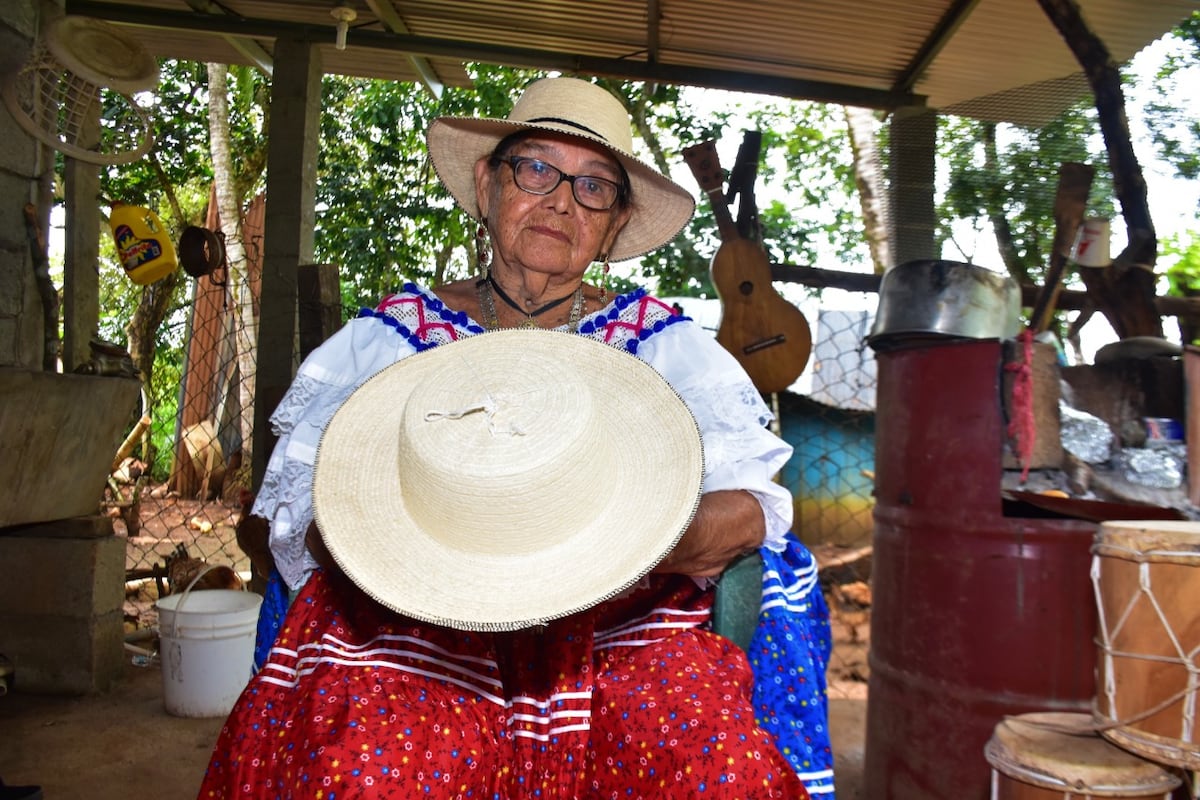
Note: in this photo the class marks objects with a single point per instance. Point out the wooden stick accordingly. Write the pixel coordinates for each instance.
(45, 286)
(1070, 204)
(131, 441)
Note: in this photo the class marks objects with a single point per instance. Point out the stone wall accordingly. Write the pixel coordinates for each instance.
(20, 306)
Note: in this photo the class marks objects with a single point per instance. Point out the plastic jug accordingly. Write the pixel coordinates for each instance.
(145, 250)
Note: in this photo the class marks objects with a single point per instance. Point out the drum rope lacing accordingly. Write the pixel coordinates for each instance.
(1187, 694)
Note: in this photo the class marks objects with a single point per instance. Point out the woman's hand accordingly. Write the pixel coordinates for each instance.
(727, 524)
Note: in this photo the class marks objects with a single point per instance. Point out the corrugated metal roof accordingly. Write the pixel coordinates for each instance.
(998, 59)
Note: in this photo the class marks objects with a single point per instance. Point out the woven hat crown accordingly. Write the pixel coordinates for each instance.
(660, 207)
(506, 479)
(593, 112)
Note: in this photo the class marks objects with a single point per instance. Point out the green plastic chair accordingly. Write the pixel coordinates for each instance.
(738, 600)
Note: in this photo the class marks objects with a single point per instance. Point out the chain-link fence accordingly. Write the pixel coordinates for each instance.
(180, 495)
(831, 478)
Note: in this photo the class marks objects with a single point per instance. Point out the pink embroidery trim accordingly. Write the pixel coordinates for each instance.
(636, 327)
(424, 326)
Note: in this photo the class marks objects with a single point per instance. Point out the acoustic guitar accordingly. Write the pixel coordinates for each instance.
(768, 335)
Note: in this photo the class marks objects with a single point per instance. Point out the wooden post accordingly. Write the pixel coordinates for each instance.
(320, 305)
(288, 228)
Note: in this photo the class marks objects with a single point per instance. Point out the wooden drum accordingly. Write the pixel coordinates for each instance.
(1034, 757)
(1148, 602)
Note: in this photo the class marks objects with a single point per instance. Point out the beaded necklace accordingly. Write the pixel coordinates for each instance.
(488, 288)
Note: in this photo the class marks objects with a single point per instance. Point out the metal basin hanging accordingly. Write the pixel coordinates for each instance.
(921, 299)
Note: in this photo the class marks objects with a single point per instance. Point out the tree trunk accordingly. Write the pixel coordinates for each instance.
(995, 204)
(151, 310)
(1124, 292)
(229, 207)
(868, 178)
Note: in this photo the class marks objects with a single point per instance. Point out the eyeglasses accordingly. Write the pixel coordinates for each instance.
(537, 177)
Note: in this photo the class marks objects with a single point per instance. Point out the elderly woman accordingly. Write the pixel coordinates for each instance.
(631, 698)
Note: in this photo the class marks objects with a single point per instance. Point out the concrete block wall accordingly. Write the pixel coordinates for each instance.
(20, 306)
(61, 583)
(61, 620)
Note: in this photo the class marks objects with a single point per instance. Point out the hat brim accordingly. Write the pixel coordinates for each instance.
(661, 207)
(469, 577)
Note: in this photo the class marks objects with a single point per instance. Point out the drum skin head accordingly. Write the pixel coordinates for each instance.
(1062, 751)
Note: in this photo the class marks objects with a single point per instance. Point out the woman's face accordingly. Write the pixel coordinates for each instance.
(549, 233)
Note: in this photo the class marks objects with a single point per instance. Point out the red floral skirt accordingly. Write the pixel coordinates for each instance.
(629, 700)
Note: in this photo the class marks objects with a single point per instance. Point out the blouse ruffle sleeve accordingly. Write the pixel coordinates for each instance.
(740, 452)
(326, 378)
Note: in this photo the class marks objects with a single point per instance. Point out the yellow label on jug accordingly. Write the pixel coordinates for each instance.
(143, 246)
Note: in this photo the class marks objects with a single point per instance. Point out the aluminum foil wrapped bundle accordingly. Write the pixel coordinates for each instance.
(1156, 467)
(1084, 435)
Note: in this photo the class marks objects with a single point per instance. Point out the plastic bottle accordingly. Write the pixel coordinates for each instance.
(145, 250)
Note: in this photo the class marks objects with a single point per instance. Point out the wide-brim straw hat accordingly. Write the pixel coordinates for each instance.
(506, 479)
(661, 207)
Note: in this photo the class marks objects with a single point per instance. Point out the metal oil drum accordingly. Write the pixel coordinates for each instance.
(975, 615)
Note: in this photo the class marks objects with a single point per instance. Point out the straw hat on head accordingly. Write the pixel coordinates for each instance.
(661, 207)
(506, 479)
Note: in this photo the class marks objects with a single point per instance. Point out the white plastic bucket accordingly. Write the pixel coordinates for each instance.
(1092, 243)
(207, 649)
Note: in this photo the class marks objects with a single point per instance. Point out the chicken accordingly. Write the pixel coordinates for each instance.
(184, 572)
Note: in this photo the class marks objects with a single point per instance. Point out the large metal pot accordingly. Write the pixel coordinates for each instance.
(920, 299)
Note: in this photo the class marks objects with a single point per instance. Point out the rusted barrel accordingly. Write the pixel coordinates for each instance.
(975, 615)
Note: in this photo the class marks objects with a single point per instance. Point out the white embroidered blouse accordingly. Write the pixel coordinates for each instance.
(739, 451)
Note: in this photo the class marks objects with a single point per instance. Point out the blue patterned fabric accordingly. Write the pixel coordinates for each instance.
(270, 617)
(789, 654)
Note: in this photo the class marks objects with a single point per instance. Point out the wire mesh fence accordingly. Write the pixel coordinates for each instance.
(179, 498)
(831, 478)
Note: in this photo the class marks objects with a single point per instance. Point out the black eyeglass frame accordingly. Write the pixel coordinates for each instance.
(514, 161)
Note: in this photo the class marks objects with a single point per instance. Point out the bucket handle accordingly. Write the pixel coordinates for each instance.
(186, 592)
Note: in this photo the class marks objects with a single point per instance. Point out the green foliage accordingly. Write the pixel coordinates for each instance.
(1183, 277)
(382, 214)
(804, 191)
(1174, 133)
(818, 171)
(681, 267)
(1009, 174)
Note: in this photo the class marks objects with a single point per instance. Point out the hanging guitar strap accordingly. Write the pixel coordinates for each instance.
(741, 182)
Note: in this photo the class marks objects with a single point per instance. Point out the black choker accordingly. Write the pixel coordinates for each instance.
(508, 301)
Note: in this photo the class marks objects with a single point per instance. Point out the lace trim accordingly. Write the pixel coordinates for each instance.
(288, 489)
(727, 412)
(308, 398)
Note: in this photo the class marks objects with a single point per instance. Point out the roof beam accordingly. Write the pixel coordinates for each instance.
(626, 69)
(939, 37)
(653, 29)
(251, 49)
(387, 14)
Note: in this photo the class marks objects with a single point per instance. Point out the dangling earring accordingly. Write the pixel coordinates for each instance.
(483, 248)
(604, 280)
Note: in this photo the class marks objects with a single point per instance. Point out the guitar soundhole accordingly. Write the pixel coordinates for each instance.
(746, 287)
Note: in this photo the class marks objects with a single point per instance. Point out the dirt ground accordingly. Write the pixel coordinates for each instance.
(122, 743)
